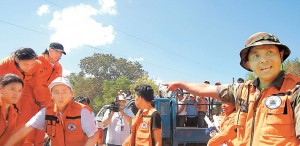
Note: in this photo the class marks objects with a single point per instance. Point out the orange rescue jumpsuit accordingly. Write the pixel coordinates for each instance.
(65, 131)
(7, 126)
(227, 134)
(42, 94)
(141, 129)
(27, 102)
(269, 119)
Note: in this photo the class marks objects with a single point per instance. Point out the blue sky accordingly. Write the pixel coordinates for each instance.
(190, 40)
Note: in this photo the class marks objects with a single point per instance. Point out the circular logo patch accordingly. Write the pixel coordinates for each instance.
(144, 125)
(273, 102)
(71, 126)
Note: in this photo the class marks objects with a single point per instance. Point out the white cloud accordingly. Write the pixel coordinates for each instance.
(75, 27)
(159, 83)
(136, 59)
(66, 72)
(44, 9)
(108, 7)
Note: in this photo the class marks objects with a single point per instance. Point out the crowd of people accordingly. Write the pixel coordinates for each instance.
(36, 103)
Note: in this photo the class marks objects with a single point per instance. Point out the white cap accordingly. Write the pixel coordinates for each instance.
(121, 97)
(192, 95)
(60, 81)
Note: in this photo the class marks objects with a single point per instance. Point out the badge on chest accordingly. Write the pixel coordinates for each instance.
(273, 102)
(144, 125)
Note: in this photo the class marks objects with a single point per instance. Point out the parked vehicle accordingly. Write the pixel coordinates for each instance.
(172, 135)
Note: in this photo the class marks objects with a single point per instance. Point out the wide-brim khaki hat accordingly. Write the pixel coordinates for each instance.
(258, 39)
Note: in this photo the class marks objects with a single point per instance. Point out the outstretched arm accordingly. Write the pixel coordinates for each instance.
(92, 140)
(200, 89)
(19, 135)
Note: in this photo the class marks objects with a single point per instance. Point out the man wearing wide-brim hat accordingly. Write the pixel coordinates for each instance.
(267, 106)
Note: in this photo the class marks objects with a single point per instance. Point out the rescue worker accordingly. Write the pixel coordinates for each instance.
(23, 62)
(146, 125)
(11, 87)
(265, 104)
(51, 69)
(66, 122)
(227, 133)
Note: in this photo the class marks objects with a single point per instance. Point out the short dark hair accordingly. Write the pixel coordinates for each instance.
(46, 52)
(84, 99)
(10, 78)
(25, 54)
(145, 91)
(240, 80)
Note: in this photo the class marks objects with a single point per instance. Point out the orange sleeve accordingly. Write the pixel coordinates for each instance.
(226, 135)
(40, 91)
(43, 78)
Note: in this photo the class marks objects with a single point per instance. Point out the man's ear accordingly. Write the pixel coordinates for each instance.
(247, 64)
(17, 60)
(281, 55)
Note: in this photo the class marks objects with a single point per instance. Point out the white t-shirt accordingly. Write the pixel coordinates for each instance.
(180, 104)
(118, 129)
(87, 121)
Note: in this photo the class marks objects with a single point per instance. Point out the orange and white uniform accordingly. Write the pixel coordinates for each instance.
(270, 117)
(72, 127)
(141, 128)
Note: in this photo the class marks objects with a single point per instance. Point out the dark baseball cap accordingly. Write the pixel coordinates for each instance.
(58, 47)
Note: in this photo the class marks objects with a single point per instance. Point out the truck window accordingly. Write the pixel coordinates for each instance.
(164, 110)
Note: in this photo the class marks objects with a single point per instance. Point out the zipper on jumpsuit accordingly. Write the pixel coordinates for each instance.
(63, 127)
(254, 115)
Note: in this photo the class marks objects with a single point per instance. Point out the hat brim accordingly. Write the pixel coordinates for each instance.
(59, 83)
(244, 52)
(60, 51)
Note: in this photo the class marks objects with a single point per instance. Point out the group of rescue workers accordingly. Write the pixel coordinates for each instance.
(35, 99)
(36, 103)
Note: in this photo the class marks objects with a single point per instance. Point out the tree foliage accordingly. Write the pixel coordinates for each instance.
(110, 90)
(107, 67)
(145, 80)
(102, 76)
(84, 86)
(292, 67)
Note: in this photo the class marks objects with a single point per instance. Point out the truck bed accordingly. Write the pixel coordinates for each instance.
(191, 135)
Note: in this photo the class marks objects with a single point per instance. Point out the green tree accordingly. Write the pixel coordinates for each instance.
(250, 76)
(110, 91)
(107, 67)
(292, 67)
(84, 86)
(102, 71)
(145, 80)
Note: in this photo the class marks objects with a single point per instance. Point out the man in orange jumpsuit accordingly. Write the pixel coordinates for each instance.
(11, 87)
(146, 126)
(51, 69)
(227, 128)
(67, 122)
(265, 106)
(23, 62)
